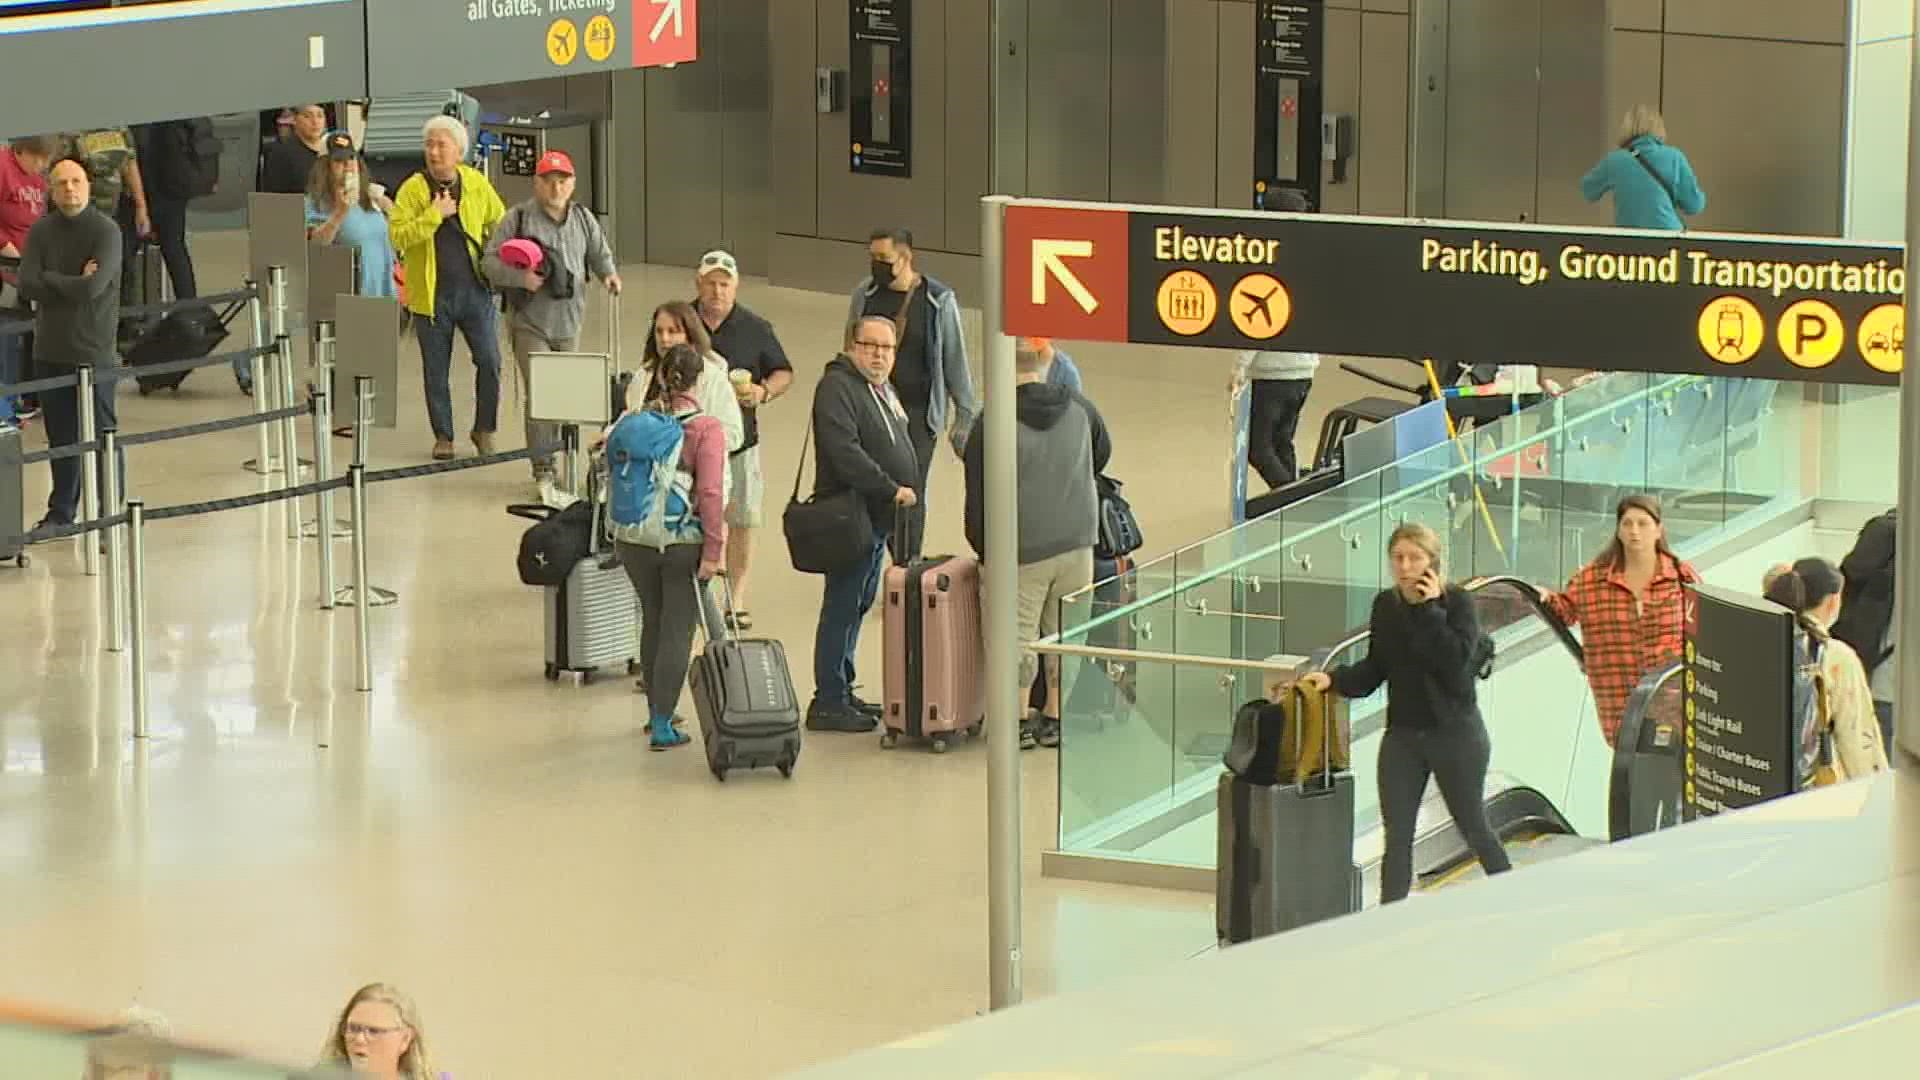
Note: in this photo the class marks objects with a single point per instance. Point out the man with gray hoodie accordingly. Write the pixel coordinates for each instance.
(1062, 445)
(549, 302)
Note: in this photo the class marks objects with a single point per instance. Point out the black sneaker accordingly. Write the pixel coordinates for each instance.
(866, 707)
(1047, 732)
(822, 716)
(1029, 734)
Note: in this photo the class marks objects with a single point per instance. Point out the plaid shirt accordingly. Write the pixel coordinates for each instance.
(1624, 640)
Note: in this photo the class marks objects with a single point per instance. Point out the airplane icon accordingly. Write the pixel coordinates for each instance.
(1260, 305)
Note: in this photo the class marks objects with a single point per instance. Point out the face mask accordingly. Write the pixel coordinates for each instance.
(882, 273)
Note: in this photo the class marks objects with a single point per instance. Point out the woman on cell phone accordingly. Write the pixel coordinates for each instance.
(1425, 644)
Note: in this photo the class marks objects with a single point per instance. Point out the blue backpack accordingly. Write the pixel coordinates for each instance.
(650, 495)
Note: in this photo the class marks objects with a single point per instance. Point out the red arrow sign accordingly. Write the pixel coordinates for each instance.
(1066, 273)
(665, 32)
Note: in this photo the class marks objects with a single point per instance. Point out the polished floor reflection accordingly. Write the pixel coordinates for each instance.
(561, 901)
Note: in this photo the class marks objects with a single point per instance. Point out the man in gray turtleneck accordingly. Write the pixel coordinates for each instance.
(71, 271)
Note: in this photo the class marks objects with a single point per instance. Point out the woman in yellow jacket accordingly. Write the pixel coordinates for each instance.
(440, 222)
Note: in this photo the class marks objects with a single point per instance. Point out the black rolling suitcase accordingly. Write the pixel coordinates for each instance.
(13, 516)
(188, 332)
(743, 692)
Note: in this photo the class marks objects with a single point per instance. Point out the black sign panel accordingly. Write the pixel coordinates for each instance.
(1287, 98)
(1605, 301)
(880, 111)
(1739, 742)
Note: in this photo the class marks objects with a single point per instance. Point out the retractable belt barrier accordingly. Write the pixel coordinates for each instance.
(12, 327)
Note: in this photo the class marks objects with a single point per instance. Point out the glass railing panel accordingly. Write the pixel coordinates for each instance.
(1858, 461)
(1331, 562)
(1434, 490)
(1116, 750)
(1519, 462)
(32, 1051)
(1604, 451)
(1687, 457)
(1764, 443)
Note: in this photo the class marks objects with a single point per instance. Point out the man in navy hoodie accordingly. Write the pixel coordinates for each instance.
(71, 271)
(1063, 443)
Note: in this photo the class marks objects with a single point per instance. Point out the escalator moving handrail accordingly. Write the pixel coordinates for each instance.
(1320, 659)
(1626, 745)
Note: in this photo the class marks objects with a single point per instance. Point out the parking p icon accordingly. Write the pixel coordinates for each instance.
(1811, 334)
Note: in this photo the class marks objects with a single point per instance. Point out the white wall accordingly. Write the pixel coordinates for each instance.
(1880, 52)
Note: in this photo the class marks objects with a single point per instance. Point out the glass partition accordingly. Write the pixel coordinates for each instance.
(1530, 495)
(32, 1050)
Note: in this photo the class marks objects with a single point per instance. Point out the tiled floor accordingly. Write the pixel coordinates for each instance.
(561, 901)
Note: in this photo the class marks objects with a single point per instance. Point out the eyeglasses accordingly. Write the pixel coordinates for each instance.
(368, 1031)
(877, 346)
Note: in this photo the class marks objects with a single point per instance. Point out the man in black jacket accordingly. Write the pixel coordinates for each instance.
(71, 271)
(861, 444)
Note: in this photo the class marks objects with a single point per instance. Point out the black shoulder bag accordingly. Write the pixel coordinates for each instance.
(825, 534)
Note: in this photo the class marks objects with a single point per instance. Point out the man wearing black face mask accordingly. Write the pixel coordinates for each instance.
(930, 374)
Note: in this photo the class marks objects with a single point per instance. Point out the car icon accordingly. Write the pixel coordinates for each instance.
(1878, 343)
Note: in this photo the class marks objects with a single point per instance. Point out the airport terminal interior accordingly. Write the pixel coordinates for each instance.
(560, 901)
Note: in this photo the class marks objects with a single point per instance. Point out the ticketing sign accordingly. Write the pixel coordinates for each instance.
(1609, 300)
(523, 39)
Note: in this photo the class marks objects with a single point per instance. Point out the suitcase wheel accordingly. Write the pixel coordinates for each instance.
(719, 772)
(977, 728)
(587, 676)
(23, 560)
(553, 673)
(939, 744)
(633, 667)
(785, 765)
(889, 740)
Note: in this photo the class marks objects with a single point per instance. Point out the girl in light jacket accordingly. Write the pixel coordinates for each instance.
(1810, 589)
(676, 323)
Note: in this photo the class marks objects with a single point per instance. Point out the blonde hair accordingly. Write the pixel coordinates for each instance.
(1420, 536)
(415, 1063)
(1642, 120)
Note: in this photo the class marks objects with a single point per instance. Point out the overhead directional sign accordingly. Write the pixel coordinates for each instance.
(1766, 307)
(522, 39)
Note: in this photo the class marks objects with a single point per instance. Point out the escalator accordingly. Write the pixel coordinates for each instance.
(1643, 790)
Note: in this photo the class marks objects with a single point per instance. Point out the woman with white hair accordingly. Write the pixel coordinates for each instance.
(1652, 183)
(440, 222)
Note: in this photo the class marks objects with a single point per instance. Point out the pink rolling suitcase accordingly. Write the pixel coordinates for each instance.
(935, 659)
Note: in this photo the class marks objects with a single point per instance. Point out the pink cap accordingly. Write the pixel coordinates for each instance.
(522, 254)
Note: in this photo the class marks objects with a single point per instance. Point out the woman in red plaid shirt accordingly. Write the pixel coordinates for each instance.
(1628, 604)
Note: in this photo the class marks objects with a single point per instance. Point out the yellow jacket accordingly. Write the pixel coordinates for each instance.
(414, 221)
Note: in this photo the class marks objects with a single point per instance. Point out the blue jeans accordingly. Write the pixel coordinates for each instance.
(848, 596)
(469, 310)
(61, 409)
(9, 372)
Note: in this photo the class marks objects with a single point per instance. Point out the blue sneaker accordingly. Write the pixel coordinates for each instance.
(662, 735)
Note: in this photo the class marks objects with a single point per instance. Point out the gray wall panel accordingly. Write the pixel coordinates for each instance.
(1768, 163)
(628, 163)
(1138, 109)
(1633, 74)
(1573, 112)
(1380, 130)
(852, 205)
(213, 63)
(1385, 5)
(1492, 112)
(1068, 76)
(1635, 14)
(739, 29)
(1793, 20)
(1233, 180)
(1193, 50)
(684, 203)
(1341, 94)
(1427, 110)
(793, 135)
(969, 173)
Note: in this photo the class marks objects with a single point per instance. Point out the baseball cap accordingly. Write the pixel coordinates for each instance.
(1032, 344)
(339, 146)
(554, 161)
(718, 260)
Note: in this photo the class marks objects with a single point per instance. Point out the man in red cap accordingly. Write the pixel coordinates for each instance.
(548, 302)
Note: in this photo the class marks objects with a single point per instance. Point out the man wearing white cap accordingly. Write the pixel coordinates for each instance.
(441, 220)
(761, 373)
(547, 297)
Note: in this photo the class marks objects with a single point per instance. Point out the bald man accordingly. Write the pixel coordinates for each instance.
(71, 271)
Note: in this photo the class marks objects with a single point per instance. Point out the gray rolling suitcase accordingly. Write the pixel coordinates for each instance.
(743, 692)
(13, 511)
(593, 617)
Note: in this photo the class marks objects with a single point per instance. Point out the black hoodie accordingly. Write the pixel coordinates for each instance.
(857, 445)
(1063, 444)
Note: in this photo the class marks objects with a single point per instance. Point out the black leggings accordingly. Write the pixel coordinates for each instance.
(1456, 757)
(671, 603)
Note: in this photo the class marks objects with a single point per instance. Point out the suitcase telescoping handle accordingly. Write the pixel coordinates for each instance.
(720, 629)
(613, 331)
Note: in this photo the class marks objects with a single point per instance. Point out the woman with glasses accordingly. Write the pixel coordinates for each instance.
(379, 1034)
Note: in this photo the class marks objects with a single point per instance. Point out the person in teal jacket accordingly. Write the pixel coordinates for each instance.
(1652, 183)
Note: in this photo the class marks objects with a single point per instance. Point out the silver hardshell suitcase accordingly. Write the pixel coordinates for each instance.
(593, 618)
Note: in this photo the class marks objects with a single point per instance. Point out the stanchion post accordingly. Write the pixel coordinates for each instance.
(323, 499)
(360, 593)
(116, 550)
(137, 590)
(362, 416)
(89, 470)
(289, 433)
(1002, 628)
(261, 382)
(362, 610)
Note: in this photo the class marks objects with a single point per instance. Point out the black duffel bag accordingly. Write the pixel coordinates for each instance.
(829, 533)
(556, 543)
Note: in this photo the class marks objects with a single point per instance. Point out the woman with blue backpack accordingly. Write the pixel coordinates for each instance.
(666, 478)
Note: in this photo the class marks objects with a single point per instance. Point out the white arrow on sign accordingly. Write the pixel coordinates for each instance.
(669, 10)
(1047, 260)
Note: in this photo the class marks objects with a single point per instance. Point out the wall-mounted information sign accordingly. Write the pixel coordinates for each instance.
(1768, 308)
(522, 39)
(1287, 68)
(1739, 746)
(880, 109)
